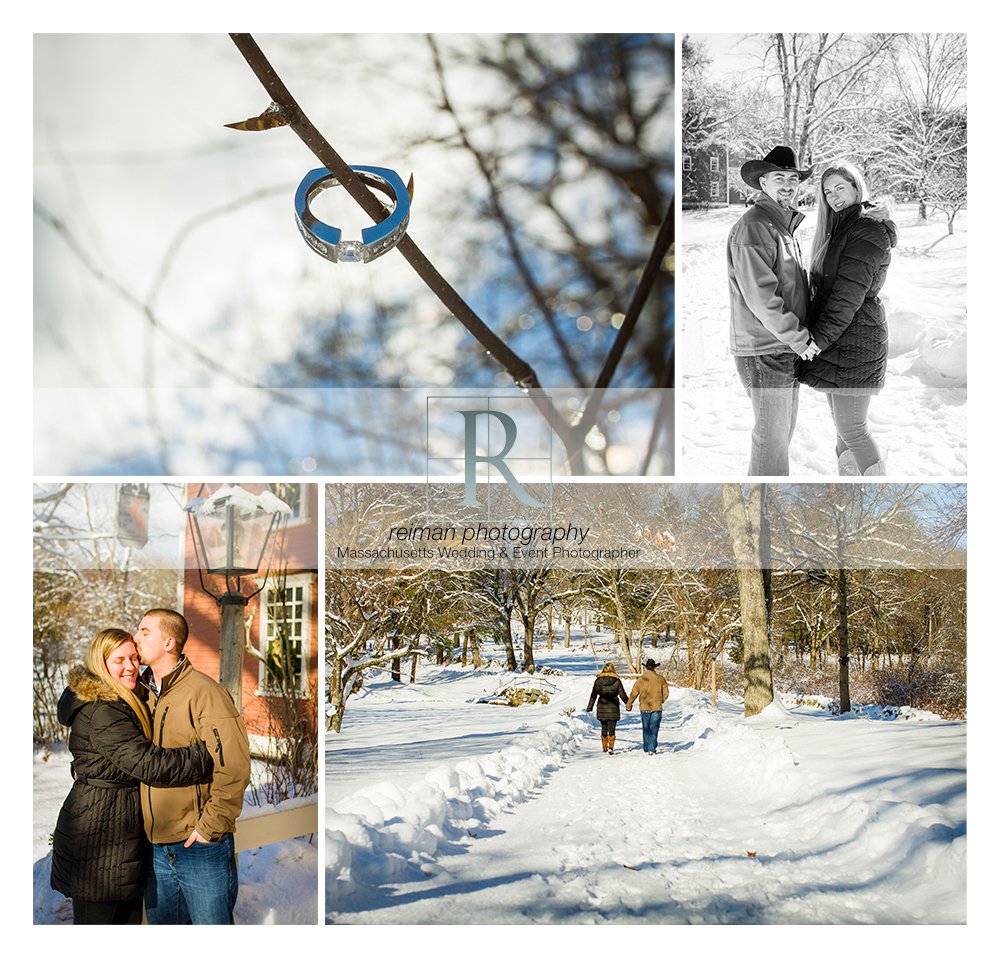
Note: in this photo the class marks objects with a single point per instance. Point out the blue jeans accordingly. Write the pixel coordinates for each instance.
(650, 729)
(192, 886)
(850, 417)
(774, 394)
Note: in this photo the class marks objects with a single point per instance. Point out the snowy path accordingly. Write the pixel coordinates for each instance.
(845, 838)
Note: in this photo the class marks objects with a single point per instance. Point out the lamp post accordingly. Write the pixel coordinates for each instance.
(232, 530)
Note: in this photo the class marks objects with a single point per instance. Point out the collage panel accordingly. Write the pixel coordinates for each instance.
(175, 703)
(824, 234)
(658, 704)
(346, 226)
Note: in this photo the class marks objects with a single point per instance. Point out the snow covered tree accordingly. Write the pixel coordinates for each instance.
(925, 132)
(85, 579)
(837, 527)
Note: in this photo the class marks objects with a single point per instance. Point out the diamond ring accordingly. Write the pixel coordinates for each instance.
(375, 240)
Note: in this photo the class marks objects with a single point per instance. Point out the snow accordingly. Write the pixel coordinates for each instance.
(443, 809)
(277, 882)
(919, 418)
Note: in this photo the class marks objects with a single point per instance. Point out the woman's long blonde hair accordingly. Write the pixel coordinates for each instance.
(609, 669)
(821, 238)
(101, 647)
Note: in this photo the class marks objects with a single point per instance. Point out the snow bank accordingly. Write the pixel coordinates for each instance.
(885, 713)
(383, 833)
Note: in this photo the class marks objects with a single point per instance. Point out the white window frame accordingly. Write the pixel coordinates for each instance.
(303, 517)
(686, 163)
(714, 190)
(713, 164)
(305, 581)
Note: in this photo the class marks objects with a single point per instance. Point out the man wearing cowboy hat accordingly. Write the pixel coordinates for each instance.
(768, 296)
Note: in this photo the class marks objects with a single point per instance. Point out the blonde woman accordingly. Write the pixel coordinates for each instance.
(850, 258)
(99, 849)
(607, 690)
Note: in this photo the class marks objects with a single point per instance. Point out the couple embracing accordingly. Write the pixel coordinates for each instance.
(818, 322)
(160, 764)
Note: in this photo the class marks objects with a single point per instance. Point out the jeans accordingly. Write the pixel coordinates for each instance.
(850, 417)
(774, 394)
(650, 729)
(192, 886)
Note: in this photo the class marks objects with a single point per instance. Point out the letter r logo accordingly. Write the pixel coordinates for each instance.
(472, 458)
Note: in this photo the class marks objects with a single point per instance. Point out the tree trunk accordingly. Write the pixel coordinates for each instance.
(395, 670)
(566, 640)
(845, 649)
(413, 670)
(477, 660)
(465, 649)
(529, 645)
(508, 645)
(743, 522)
(335, 715)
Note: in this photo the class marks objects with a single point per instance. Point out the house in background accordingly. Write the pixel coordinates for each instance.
(710, 178)
(705, 177)
(288, 602)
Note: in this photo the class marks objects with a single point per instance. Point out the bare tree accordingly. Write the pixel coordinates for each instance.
(926, 141)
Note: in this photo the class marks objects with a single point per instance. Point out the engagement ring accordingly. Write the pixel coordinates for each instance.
(375, 240)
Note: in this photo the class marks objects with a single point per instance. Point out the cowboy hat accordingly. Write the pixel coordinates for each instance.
(780, 158)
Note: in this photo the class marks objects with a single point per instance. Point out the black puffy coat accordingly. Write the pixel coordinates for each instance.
(607, 690)
(99, 850)
(846, 318)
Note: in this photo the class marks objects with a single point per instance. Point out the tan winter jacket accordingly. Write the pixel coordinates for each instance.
(652, 691)
(191, 706)
(768, 285)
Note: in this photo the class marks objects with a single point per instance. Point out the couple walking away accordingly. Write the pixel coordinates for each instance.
(650, 688)
(156, 793)
(820, 323)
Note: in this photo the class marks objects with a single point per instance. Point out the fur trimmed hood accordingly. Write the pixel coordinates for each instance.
(880, 211)
(88, 687)
(83, 688)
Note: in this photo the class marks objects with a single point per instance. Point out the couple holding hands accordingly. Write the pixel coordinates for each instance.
(817, 321)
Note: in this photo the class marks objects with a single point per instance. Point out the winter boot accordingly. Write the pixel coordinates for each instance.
(876, 468)
(611, 745)
(846, 464)
(604, 743)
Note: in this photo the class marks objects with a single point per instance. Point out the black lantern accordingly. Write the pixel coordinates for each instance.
(234, 531)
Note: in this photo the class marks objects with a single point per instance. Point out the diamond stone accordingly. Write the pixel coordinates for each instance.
(350, 251)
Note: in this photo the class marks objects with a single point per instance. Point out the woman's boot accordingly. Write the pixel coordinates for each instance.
(846, 464)
(604, 743)
(876, 468)
(611, 745)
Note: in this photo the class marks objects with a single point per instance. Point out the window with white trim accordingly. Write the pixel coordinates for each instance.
(295, 496)
(713, 164)
(715, 189)
(285, 637)
(686, 164)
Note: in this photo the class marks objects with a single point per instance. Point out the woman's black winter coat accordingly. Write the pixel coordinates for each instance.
(607, 690)
(846, 318)
(99, 849)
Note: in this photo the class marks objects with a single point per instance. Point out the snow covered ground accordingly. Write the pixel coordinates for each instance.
(277, 882)
(918, 420)
(443, 809)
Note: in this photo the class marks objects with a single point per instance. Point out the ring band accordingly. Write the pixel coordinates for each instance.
(375, 240)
